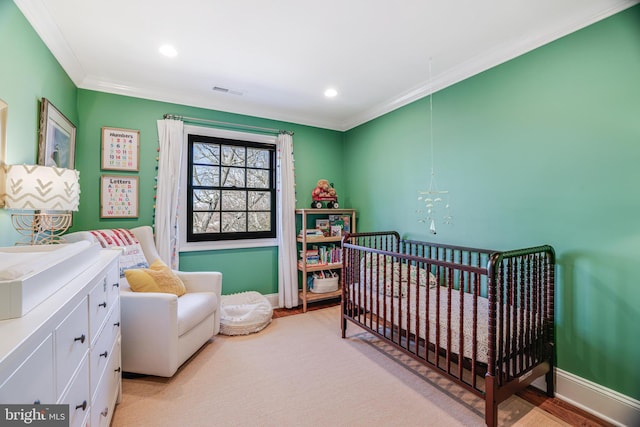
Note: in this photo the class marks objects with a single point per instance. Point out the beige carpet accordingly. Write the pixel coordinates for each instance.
(300, 372)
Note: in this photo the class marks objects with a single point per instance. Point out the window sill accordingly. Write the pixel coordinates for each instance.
(226, 244)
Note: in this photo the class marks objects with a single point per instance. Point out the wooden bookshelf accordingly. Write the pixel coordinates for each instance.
(304, 241)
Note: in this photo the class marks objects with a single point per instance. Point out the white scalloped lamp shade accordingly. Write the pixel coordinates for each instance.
(34, 187)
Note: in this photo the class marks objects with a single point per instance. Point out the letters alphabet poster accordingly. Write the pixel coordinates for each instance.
(118, 196)
(120, 149)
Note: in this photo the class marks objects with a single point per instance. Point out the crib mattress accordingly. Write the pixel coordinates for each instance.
(395, 310)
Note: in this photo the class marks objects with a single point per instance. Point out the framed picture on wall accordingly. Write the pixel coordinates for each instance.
(57, 138)
(118, 196)
(120, 149)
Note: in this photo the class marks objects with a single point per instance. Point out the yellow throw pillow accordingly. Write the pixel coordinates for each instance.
(157, 278)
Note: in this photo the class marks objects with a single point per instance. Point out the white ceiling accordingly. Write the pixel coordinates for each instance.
(278, 57)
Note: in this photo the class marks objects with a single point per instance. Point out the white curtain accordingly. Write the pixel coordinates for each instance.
(171, 134)
(286, 224)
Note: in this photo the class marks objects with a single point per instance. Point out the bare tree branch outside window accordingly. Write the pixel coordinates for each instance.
(231, 189)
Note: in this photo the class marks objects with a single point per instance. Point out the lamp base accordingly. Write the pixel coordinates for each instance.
(41, 228)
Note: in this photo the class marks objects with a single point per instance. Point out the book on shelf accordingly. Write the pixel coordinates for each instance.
(312, 232)
(310, 256)
(321, 255)
(323, 225)
(344, 221)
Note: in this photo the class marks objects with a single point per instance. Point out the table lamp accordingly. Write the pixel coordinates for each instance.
(50, 192)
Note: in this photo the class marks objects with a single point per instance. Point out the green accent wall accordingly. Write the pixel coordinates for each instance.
(542, 149)
(28, 73)
(316, 153)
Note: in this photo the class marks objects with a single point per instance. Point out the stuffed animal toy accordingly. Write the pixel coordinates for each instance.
(322, 189)
(324, 192)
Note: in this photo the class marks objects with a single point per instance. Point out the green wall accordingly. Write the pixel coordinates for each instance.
(28, 72)
(243, 269)
(542, 149)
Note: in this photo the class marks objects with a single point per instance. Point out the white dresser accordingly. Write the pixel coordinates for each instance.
(66, 350)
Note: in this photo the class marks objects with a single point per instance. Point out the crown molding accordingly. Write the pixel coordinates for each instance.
(46, 28)
(486, 60)
(206, 101)
(36, 13)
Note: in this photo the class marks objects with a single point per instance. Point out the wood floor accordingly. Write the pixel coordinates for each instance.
(568, 413)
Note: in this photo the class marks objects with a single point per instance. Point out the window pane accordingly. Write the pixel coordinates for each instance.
(257, 158)
(233, 156)
(232, 188)
(259, 201)
(257, 178)
(206, 200)
(206, 222)
(234, 200)
(206, 175)
(234, 222)
(259, 221)
(208, 154)
(233, 177)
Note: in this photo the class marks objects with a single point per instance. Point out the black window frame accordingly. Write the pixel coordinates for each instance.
(222, 236)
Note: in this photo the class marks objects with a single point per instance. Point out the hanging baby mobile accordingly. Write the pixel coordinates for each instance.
(434, 202)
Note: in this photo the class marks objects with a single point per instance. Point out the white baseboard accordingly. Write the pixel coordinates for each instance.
(606, 404)
(273, 300)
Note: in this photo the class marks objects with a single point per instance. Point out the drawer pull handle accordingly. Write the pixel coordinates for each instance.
(105, 354)
(116, 324)
(83, 406)
(105, 412)
(117, 370)
(104, 304)
(116, 285)
(80, 338)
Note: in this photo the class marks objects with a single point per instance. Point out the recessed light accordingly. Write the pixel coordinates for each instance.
(330, 93)
(168, 50)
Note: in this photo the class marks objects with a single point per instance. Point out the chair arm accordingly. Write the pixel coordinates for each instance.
(149, 332)
(201, 281)
(205, 281)
(153, 309)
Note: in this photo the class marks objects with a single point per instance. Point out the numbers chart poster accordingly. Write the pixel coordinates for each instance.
(118, 196)
(120, 149)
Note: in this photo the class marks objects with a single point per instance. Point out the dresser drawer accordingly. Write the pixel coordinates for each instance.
(78, 398)
(46, 355)
(99, 306)
(108, 390)
(33, 380)
(101, 351)
(113, 281)
(71, 344)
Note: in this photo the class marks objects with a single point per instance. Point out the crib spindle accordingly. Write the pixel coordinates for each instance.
(387, 292)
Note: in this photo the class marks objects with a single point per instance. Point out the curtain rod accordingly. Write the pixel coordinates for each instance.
(227, 124)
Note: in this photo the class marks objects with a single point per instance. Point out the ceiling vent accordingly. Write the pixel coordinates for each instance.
(226, 90)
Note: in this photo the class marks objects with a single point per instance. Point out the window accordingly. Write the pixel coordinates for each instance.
(231, 189)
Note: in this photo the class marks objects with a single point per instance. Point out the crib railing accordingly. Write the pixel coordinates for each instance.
(516, 288)
(521, 311)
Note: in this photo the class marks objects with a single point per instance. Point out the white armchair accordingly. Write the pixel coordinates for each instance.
(160, 331)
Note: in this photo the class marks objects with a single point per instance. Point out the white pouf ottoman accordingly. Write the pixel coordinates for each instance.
(244, 313)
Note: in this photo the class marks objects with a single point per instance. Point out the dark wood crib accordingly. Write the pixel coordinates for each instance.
(482, 318)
